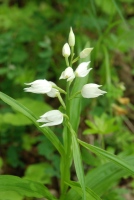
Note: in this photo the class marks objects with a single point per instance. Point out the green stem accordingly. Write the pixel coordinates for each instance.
(72, 55)
(67, 62)
(60, 90)
(67, 161)
(77, 159)
(61, 100)
(67, 139)
(107, 64)
(73, 96)
(75, 60)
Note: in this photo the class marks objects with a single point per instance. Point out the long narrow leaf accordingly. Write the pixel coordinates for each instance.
(22, 109)
(78, 164)
(108, 155)
(106, 175)
(24, 187)
(103, 178)
(119, 11)
(90, 194)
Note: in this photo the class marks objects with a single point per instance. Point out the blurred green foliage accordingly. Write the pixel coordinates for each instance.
(32, 35)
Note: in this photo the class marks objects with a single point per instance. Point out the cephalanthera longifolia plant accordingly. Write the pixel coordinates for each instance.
(68, 114)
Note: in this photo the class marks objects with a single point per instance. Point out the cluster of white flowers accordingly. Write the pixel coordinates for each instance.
(81, 71)
(90, 90)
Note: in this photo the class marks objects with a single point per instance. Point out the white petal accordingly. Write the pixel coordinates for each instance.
(53, 92)
(71, 77)
(39, 87)
(91, 91)
(66, 50)
(93, 85)
(51, 118)
(52, 113)
(62, 75)
(82, 70)
(52, 123)
(71, 39)
(85, 52)
(68, 74)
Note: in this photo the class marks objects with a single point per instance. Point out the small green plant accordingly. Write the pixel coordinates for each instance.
(69, 150)
(101, 125)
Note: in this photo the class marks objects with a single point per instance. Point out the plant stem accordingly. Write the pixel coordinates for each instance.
(61, 100)
(67, 141)
(72, 55)
(67, 63)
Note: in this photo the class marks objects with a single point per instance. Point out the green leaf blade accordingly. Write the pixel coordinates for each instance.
(45, 130)
(108, 155)
(24, 187)
(90, 194)
(78, 164)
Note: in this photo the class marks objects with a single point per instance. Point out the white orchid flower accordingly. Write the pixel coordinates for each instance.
(41, 86)
(71, 39)
(91, 90)
(82, 70)
(68, 74)
(66, 50)
(85, 52)
(53, 92)
(51, 118)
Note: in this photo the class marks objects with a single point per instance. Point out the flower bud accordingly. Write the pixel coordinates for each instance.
(82, 70)
(66, 50)
(85, 52)
(91, 90)
(68, 74)
(51, 118)
(41, 86)
(71, 39)
(53, 92)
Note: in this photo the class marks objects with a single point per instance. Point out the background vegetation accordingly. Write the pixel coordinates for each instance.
(32, 34)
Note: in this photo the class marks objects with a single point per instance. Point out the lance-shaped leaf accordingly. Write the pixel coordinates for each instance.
(78, 164)
(103, 178)
(22, 109)
(90, 194)
(24, 187)
(110, 156)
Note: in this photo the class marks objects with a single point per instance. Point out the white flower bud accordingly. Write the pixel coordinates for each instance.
(68, 74)
(53, 92)
(66, 50)
(51, 118)
(82, 70)
(39, 87)
(91, 90)
(71, 39)
(85, 52)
